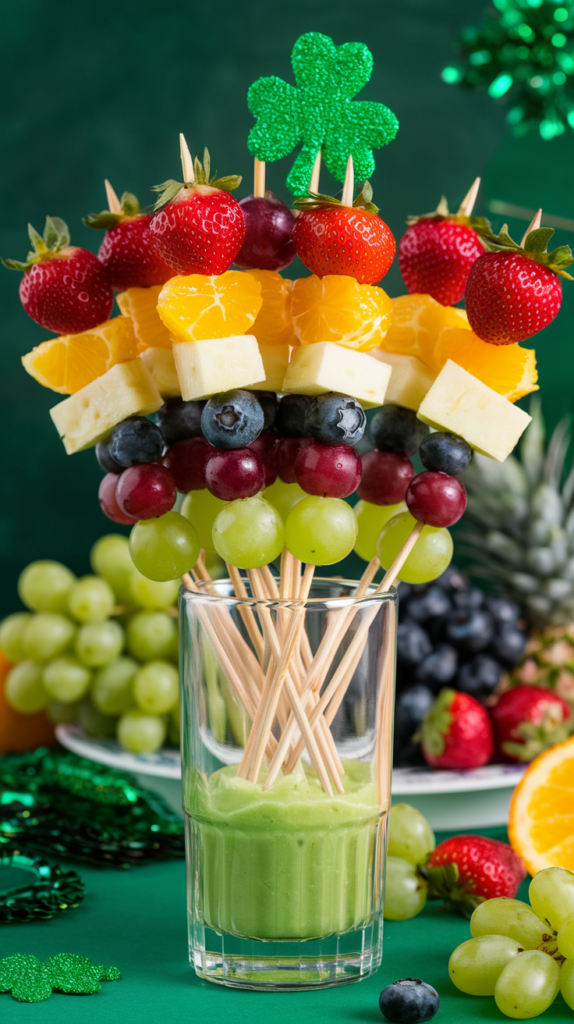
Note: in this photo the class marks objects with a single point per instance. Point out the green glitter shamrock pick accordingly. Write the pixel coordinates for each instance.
(31, 981)
(320, 112)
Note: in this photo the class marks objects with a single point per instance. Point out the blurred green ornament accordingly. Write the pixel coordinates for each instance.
(523, 52)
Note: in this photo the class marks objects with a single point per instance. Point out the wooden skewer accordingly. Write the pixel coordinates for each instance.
(258, 178)
(467, 206)
(186, 161)
(247, 613)
(114, 205)
(349, 184)
(533, 226)
(384, 743)
(315, 174)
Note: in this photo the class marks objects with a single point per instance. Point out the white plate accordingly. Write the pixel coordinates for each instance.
(454, 800)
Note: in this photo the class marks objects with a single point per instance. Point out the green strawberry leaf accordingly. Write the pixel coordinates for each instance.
(227, 184)
(56, 234)
(56, 237)
(169, 190)
(130, 204)
(537, 241)
(38, 243)
(102, 221)
(17, 264)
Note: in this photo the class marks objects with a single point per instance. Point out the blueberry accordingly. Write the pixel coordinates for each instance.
(479, 677)
(179, 420)
(502, 610)
(442, 452)
(452, 579)
(291, 413)
(268, 402)
(105, 460)
(232, 419)
(469, 631)
(136, 441)
(413, 643)
(438, 668)
(508, 645)
(433, 604)
(469, 599)
(410, 709)
(394, 429)
(409, 1001)
(335, 419)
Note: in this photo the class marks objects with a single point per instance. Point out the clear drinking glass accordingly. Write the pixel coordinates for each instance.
(285, 880)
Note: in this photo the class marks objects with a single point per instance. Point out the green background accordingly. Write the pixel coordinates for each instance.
(101, 89)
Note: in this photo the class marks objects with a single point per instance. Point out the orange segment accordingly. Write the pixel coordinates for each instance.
(541, 815)
(68, 363)
(337, 308)
(416, 323)
(508, 369)
(140, 304)
(274, 323)
(197, 307)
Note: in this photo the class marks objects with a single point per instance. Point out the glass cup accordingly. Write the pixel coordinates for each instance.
(287, 710)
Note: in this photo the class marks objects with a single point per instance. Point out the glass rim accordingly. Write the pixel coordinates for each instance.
(202, 596)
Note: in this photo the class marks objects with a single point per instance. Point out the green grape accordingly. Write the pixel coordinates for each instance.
(248, 533)
(24, 690)
(164, 548)
(140, 733)
(405, 891)
(565, 939)
(551, 895)
(283, 496)
(430, 556)
(91, 599)
(528, 985)
(11, 630)
(47, 635)
(62, 714)
(110, 558)
(410, 835)
(202, 509)
(174, 725)
(93, 722)
(112, 688)
(567, 983)
(321, 531)
(504, 916)
(151, 635)
(476, 964)
(44, 586)
(370, 521)
(156, 687)
(66, 680)
(98, 643)
(151, 594)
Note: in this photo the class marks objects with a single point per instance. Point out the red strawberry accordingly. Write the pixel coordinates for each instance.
(347, 240)
(467, 870)
(457, 732)
(527, 720)
(127, 252)
(515, 290)
(199, 228)
(64, 289)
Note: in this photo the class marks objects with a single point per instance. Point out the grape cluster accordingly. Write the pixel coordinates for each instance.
(411, 840)
(450, 634)
(101, 650)
(522, 955)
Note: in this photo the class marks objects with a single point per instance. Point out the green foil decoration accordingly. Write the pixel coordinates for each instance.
(49, 891)
(523, 54)
(31, 981)
(320, 112)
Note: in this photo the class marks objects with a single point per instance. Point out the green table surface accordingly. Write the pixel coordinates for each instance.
(135, 920)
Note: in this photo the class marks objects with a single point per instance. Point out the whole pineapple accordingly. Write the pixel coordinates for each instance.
(520, 533)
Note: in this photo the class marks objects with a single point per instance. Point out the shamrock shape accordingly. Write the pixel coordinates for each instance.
(320, 112)
(31, 981)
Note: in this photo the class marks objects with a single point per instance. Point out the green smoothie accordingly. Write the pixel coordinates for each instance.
(287, 864)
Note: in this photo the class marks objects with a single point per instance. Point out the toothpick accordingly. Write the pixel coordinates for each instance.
(466, 207)
(349, 185)
(186, 161)
(533, 226)
(315, 174)
(114, 205)
(259, 178)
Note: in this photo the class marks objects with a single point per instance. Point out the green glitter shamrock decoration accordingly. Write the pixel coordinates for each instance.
(320, 112)
(523, 52)
(31, 981)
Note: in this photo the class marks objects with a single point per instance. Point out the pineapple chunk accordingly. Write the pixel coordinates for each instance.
(325, 366)
(140, 304)
(410, 378)
(461, 403)
(275, 360)
(217, 364)
(84, 418)
(161, 365)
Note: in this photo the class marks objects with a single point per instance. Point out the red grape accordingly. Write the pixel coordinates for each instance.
(269, 227)
(108, 502)
(436, 499)
(287, 452)
(266, 446)
(146, 491)
(329, 470)
(186, 460)
(386, 476)
(238, 473)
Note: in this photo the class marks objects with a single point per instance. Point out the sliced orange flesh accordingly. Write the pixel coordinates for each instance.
(541, 815)
(68, 363)
(197, 307)
(339, 309)
(415, 325)
(140, 304)
(508, 369)
(274, 323)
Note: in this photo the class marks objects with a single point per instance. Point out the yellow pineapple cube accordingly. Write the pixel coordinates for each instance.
(410, 378)
(217, 364)
(161, 365)
(275, 360)
(326, 366)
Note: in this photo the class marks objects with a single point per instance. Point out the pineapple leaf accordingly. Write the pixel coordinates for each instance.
(568, 489)
(532, 445)
(556, 454)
